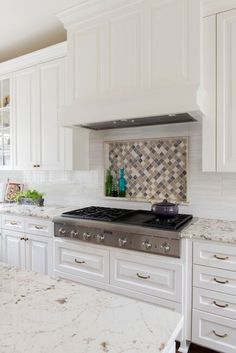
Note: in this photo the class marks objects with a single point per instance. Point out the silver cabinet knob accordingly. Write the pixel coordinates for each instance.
(62, 231)
(87, 236)
(74, 233)
(147, 245)
(100, 238)
(165, 247)
(122, 242)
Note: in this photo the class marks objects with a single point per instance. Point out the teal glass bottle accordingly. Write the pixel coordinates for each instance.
(122, 183)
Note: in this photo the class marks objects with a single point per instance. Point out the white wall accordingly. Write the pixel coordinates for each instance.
(211, 195)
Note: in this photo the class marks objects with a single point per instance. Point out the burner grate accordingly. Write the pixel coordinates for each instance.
(106, 214)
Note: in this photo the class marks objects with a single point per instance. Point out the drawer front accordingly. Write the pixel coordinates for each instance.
(38, 227)
(158, 278)
(215, 255)
(214, 332)
(13, 223)
(214, 302)
(78, 259)
(214, 279)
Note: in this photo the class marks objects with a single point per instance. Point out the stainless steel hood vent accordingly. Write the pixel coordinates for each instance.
(146, 121)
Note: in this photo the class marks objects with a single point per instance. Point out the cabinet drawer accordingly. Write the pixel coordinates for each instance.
(214, 279)
(81, 260)
(38, 227)
(214, 332)
(215, 255)
(153, 277)
(214, 302)
(13, 223)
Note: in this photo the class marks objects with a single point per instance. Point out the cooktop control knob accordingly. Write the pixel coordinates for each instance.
(62, 231)
(147, 245)
(100, 238)
(165, 247)
(122, 242)
(74, 233)
(87, 236)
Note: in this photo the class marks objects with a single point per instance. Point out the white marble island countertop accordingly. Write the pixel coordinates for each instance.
(42, 315)
(45, 212)
(211, 229)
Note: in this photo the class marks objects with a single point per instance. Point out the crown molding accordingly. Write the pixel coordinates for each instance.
(91, 9)
(212, 7)
(46, 54)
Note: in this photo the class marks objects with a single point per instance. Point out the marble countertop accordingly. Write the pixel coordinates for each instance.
(211, 229)
(40, 315)
(46, 212)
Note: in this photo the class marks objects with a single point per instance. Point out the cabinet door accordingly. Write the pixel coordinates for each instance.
(13, 248)
(1, 252)
(26, 114)
(226, 91)
(52, 88)
(38, 254)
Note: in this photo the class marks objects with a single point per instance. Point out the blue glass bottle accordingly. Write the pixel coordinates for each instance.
(122, 183)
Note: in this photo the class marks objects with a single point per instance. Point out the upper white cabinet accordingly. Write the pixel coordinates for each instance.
(131, 59)
(39, 91)
(219, 78)
(226, 91)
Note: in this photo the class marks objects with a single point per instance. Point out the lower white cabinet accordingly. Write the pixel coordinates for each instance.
(155, 276)
(13, 248)
(214, 296)
(27, 251)
(214, 331)
(38, 252)
(81, 260)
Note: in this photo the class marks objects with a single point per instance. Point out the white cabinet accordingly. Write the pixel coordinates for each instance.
(219, 81)
(13, 248)
(38, 254)
(226, 91)
(38, 93)
(27, 243)
(214, 289)
(131, 59)
(50, 154)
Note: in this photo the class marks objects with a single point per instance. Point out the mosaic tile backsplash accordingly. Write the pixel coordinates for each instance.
(154, 169)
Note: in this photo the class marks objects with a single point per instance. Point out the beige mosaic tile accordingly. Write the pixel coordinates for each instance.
(154, 169)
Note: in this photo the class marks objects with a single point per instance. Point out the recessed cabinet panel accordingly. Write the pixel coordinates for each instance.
(26, 113)
(125, 51)
(38, 254)
(88, 61)
(168, 43)
(13, 248)
(226, 91)
(51, 76)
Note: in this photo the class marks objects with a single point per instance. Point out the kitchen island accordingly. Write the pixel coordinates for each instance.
(40, 315)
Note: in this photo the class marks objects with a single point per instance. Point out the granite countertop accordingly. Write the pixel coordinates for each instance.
(46, 212)
(211, 229)
(40, 315)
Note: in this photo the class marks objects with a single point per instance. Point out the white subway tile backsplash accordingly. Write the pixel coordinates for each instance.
(211, 195)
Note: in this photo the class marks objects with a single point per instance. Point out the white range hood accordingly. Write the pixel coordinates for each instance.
(132, 63)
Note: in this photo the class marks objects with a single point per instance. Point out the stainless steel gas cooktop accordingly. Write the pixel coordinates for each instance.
(131, 229)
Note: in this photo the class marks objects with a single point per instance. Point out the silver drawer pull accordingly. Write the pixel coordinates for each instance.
(221, 282)
(13, 223)
(79, 261)
(218, 335)
(38, 227)
(218, 257)
(220, 305)
(142, 277)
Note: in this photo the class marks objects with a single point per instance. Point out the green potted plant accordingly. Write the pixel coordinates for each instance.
(30, 197)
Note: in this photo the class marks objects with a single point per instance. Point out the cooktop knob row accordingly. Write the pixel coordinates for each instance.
(87, 236)
(122, 242)
(147, 245)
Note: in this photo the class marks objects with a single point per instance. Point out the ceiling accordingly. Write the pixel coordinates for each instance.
(29, 25)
